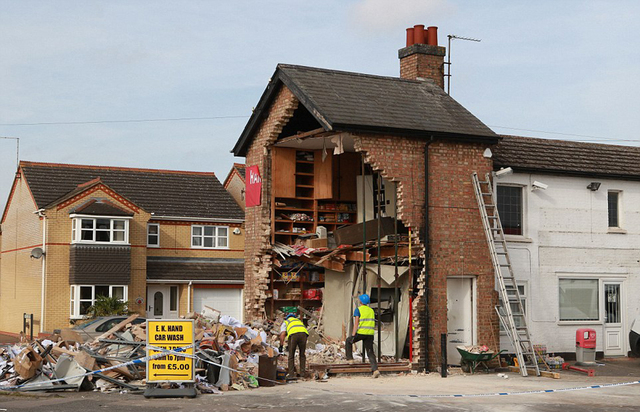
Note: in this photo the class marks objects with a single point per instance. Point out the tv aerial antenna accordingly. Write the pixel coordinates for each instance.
(454, 37)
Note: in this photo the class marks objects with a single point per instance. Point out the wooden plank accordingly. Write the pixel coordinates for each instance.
(118, 327)
(322, 175)
(284, 169)
(357, 256)
(531, 371)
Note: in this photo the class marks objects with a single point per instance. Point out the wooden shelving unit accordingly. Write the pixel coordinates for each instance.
(303, 196)
(308, 278)
(308, 192)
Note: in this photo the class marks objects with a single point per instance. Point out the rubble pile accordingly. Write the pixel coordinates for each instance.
(227, 356)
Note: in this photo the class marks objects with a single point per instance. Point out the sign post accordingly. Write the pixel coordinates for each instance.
(171, 368)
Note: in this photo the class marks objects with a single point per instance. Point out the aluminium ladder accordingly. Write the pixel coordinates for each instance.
(517, 331)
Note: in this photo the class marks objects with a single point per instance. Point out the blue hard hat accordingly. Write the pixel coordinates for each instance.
(290, 315)
(364, 298)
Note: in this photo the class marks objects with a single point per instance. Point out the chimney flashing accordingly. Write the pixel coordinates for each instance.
(421, 49)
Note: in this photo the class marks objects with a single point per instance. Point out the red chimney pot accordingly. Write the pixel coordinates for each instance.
(418, 34)
(410, 36)
(432, 36)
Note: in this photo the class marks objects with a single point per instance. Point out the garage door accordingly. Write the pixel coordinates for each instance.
(227, 301)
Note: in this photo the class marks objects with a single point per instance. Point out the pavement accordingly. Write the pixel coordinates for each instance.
(615, 387)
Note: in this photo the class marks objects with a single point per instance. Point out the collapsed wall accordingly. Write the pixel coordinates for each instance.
(257, 250)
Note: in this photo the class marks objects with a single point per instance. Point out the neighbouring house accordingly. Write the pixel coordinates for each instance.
(571, 215)
(343, 154)
(234, 183)
(168, 242)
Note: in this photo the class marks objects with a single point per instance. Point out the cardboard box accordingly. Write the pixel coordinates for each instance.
(316, 243)
(27, 363)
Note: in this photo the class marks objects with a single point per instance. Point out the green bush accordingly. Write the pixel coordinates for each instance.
(108, 306)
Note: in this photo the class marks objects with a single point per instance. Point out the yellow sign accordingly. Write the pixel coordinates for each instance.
(170, 335)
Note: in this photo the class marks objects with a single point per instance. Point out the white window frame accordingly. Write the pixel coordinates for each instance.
(619, 228)
(75, 297)
(76, 229)
(523, 209)
(215, 237)
(598, 295)
(157, 234)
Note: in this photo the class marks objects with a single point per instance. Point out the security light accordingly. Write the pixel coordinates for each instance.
(504, 171)
(539, 185)
(594, 186)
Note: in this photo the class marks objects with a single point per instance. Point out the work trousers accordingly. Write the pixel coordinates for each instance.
(367, 340)
(297, 340)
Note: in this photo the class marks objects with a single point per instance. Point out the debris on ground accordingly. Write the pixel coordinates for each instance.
(227, 356)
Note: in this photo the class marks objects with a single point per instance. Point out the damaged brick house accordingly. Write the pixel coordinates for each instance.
(332, 149)
(168, 242)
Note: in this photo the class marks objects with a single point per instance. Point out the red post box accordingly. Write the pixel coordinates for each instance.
(585, 346)
(586, 338)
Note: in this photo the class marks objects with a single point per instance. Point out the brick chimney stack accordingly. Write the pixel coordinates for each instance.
(422, 57)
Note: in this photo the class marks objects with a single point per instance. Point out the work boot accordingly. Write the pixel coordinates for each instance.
(376, 374)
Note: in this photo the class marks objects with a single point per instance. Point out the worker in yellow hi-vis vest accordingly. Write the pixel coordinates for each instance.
(364, 326)
(296, 334)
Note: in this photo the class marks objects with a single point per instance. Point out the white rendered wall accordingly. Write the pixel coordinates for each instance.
(566, 234)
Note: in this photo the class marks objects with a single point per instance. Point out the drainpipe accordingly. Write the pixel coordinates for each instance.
(42, 215)
(189, 296)
(426, 252)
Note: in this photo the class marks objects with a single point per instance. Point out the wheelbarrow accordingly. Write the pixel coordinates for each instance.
(471, 360)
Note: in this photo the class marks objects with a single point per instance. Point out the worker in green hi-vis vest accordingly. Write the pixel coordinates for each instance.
(364, 327)
(296, 334)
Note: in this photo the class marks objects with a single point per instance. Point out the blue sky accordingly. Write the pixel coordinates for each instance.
(557, 66)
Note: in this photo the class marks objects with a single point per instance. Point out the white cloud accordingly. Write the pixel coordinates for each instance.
(385, 16)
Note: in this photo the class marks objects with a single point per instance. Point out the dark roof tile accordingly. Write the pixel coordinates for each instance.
(162, 192)
(195, 269)
(561, 156)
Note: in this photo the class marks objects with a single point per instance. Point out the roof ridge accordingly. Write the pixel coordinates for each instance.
(115, 168)
(375, 76)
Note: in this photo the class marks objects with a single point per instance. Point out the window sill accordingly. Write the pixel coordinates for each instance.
(209, 248)
(617, 230)
(102, 243)
(517, 239)
(153, 246)
(578, 322)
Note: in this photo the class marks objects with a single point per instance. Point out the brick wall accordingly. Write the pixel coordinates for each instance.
(20, 276)
(258, 219)
(235, 187)
(457, 241)
(457, 245)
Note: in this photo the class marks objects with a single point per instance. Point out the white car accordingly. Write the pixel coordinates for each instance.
(634, 337)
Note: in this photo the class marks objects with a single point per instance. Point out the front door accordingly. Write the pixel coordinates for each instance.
(460, 313)
(614, 341)
(162, 302)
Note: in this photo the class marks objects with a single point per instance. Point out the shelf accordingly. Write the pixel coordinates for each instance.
(306, 186)
(303, 174)
(337, 211)
(295, 209)
(309, 162)
(293, 233)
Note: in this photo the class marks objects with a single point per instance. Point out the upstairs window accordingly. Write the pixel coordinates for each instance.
(153, 235)
(613, 201)
(209, 237)
(509, 199)
(99, 230)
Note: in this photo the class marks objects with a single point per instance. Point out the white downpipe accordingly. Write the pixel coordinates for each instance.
(44, 259)
(189, 296)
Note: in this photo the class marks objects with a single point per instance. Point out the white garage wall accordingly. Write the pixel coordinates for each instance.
(227, 301)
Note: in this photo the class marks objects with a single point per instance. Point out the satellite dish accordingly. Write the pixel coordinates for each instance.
(37, 253)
